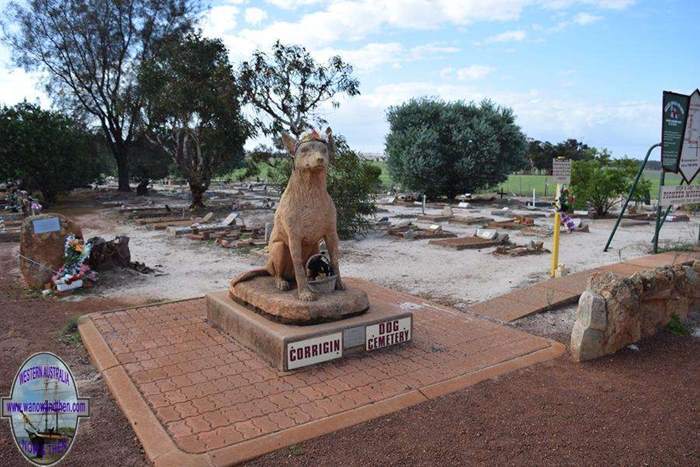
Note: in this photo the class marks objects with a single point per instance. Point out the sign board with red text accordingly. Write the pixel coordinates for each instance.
(388, 333)
(314, 350)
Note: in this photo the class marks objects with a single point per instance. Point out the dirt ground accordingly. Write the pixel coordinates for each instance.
(636, 407)
(30, 323)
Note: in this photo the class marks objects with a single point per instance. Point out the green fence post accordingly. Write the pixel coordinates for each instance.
(659, 223)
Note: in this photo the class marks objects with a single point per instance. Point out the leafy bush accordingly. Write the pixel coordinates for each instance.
(447, 148)
(46, 150)
(600, 182)
(351, 183)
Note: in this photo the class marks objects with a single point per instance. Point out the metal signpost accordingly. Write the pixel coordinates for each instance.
(561, 174)
(680, 153)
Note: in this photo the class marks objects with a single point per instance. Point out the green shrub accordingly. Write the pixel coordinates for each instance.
(448, 148)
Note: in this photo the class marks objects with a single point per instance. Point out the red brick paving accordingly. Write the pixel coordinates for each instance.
(209, 392)
(564, 290)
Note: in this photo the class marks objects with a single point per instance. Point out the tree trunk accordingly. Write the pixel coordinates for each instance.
(121, 156)
(142, 188)
(197, 191)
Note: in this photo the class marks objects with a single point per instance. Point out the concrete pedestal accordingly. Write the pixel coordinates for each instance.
(287, 347)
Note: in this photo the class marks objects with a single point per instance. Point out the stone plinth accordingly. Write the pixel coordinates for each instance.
(261, 294)
(287, 347)
(42, 240)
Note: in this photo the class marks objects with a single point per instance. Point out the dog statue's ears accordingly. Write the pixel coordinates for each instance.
(289, 143)
(331, 143)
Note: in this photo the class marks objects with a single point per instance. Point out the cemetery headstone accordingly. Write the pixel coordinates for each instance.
(41, 246)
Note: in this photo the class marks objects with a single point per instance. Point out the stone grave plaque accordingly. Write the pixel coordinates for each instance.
(230, 218)
(51, 224)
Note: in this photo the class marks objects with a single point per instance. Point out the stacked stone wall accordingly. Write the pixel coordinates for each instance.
(613, 312)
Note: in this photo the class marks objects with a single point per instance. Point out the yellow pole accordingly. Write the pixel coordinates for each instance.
(555, 238)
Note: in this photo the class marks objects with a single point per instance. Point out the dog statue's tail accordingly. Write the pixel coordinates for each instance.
(246, 276)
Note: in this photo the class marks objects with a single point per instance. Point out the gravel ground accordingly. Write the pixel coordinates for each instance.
(451, 277)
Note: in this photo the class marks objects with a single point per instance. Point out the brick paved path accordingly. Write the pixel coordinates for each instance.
(566, 290)
(215, 399)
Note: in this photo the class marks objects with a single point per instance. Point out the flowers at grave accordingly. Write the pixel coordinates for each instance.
(75, 253)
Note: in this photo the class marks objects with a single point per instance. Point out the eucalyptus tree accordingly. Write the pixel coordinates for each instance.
(90, 52)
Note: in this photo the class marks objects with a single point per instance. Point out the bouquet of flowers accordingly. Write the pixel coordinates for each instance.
(75, 253)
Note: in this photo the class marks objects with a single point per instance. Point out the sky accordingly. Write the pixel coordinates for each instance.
(593, 70)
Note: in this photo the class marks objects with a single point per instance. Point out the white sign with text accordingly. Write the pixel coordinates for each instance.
(561, 171)
(679, 195)
(314, 350)
(388, 333)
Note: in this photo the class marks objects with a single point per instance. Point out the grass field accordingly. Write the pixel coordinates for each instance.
(522, 185)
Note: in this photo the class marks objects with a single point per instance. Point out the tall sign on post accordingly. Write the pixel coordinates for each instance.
(675, 113)
(561, 174)
(680, 134)
(689, 163)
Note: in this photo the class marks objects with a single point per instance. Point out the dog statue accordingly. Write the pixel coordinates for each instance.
(305, 216)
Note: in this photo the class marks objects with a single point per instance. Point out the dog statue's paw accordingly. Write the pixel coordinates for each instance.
(282, 284)
(307, 296)
(339, 284)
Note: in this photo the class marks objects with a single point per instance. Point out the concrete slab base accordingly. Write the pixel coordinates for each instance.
(464, 243)
(287, 346)
(262, 295)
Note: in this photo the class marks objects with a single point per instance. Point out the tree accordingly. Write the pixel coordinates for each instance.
(351, 182)
(600, 182)
(90, 51)
(444, 149)
(46, 150)
(288, 85)
(542, 153)
(147, 162)
(193, 108)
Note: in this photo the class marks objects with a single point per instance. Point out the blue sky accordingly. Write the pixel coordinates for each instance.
(587, 69)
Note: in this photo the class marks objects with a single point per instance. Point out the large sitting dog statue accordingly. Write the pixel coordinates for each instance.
(305, 216)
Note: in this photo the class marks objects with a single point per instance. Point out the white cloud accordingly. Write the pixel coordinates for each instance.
(368, 57)
(17, 85)
(255, 16)
(333, 21)
(432, 50)
(543, 115)
(473, 72)
(292, 4)
(376, 54)
(585, 19)
(220, 21)
(508, 36)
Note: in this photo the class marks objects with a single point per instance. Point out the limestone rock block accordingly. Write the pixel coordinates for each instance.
(43, 250)
(586, 343)
(591, 311)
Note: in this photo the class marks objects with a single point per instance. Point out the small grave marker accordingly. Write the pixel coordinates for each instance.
(51, 224)
(230, 218)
